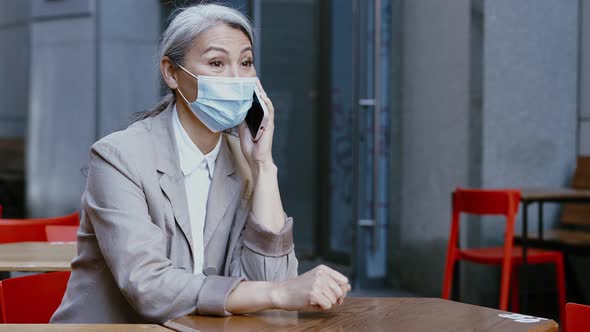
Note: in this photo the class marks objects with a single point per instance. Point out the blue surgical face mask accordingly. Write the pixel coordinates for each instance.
(222, 102)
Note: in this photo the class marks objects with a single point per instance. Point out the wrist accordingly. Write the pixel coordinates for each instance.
(264, 167)
(275, 295)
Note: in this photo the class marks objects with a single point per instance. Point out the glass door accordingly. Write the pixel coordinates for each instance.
(325, 65)
(359, 104)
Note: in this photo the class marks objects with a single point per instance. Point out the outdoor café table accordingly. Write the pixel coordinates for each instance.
(544, 195)
(373, 314)
(82, 328)
(36, 256)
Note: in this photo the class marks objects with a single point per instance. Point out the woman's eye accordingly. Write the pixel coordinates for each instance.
(247, 63)
(216, 63)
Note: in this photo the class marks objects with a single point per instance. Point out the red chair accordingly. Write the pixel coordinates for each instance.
(1, 311)
(61, 233)
(509, 257)
(21, 230)
(578, 317)
(22, 233)
(70, 219)
(32, 299)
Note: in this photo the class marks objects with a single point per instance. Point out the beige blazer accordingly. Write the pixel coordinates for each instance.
(134, 261)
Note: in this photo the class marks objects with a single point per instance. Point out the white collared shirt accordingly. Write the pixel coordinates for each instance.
(198, 172)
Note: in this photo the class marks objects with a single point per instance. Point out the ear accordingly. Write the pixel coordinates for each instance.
(169, 72)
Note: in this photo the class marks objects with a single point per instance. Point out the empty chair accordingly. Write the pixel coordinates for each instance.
(577, 317)
(61, 233)
(508, 256)
(21, 230)
(32, 299)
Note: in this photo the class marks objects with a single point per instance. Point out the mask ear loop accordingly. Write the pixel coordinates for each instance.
(183, 97)
(178, 89)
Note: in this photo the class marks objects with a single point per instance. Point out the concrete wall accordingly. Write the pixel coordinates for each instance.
(489, 95)
(128, 68)
(14, 67)
(89, 72)
(62, 112)
(530, 93)
(435, 131)
(528, 120)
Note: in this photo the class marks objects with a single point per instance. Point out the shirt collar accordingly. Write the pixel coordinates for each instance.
(190, 156)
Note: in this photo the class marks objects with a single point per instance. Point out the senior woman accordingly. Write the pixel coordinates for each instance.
(179, 218)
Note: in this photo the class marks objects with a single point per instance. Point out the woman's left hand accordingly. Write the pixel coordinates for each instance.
(260, 152)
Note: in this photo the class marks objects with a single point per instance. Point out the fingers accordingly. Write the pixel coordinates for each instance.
(337, 276)
(345, 289)
(332, 294)
(321, 302)
(329, 295)
(267, 101)
(244, 132)
(245, 140)
(336, 285)
(338, 291)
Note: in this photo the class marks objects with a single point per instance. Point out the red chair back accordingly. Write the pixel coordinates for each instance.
(486, 202)
(482, 202)
(70, 219)
(22, 230)
(22, 233)
(1, 310)
(61, 233)
(577, 317)
(32, 299)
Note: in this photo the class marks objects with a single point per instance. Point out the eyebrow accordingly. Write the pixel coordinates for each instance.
(214, 48)
(223, 50)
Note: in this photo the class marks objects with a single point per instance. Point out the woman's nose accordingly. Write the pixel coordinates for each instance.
(234, 71)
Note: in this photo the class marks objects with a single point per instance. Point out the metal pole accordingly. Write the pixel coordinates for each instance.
(376, 121)
(355, 257)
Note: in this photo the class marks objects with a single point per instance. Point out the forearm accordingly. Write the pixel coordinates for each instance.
(266, 200)
(252, 296)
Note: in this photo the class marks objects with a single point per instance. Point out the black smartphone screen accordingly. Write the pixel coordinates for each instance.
(254, 116)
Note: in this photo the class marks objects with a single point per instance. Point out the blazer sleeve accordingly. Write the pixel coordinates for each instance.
(261, 254)
(134, 249)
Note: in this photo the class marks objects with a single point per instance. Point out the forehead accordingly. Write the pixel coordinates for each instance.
(221, 35)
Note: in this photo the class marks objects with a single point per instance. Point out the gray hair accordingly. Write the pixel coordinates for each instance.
(184, 29)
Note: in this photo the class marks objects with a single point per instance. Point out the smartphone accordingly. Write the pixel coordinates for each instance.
(257, 116)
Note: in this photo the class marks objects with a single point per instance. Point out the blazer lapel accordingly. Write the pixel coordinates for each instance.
(168, 164)
(225, 186)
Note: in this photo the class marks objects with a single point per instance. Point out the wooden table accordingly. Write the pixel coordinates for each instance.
(541, 196)
(82, 328)
(37, 256)
(372, 314)
(546, 195)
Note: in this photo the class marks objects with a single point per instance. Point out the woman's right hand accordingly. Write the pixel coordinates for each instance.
(318, 289)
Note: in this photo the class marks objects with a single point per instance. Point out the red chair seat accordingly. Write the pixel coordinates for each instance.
(495, 255)
(578, 317)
